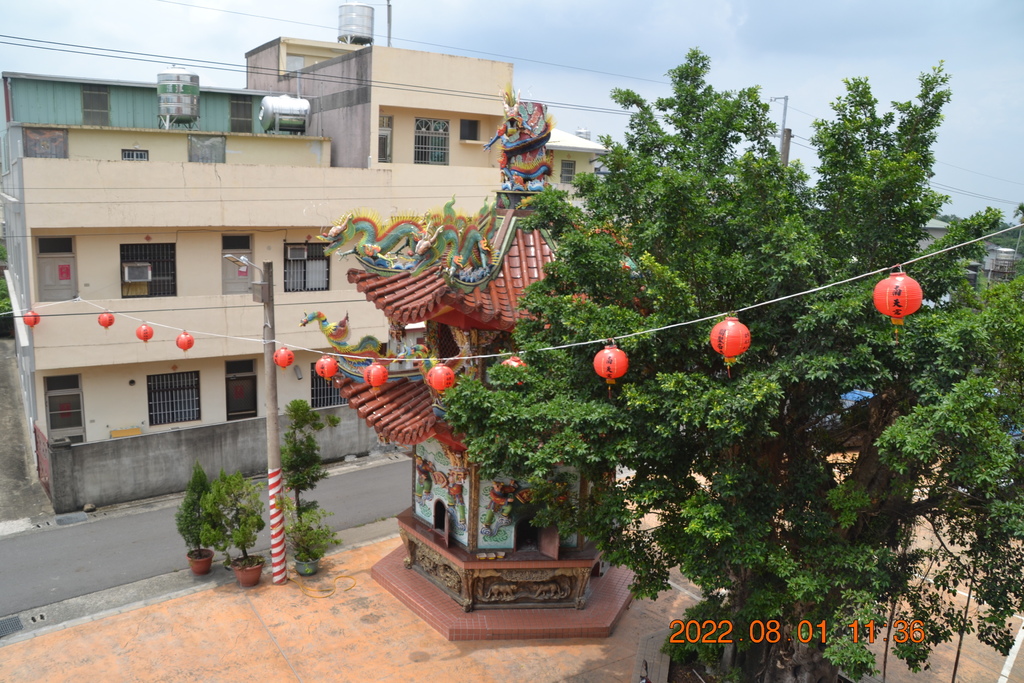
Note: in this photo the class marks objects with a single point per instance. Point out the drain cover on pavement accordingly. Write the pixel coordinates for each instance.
(9, 626)
(72, 518)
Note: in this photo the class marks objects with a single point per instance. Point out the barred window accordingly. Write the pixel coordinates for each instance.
(160, 279)
(173, 397)
(568, 170)
(384, 128)
(134, 155)
(322, 392)
(430, 144)
(241, 114)
(306, 268)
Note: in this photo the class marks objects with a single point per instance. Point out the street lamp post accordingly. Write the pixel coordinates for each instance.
(263, 292)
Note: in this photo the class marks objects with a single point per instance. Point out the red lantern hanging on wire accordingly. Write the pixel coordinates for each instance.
(106, 319)
(185, 341)
(144, 332)
(30, 318)
(611, 363)
(731, 338)
(898, 296)
(283, 357)
(441, 377)
(514, 361)
(375, 374)
(327, 366)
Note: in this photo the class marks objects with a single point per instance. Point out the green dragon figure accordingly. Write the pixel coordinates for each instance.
(368, 347)
(407, 243)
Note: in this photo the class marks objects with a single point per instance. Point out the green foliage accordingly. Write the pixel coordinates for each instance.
(190, 515)
(300, 455)
(760, 485)
(307, 532)
(234, 510)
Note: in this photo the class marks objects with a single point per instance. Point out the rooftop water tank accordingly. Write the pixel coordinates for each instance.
(177, 96)
(355, 24)
(284, 113)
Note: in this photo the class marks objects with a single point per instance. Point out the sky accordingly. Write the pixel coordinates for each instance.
(572, 53)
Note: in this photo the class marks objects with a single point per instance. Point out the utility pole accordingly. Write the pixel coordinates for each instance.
(785, 134)
(263, 292)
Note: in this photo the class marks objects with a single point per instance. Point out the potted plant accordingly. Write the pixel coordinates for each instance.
(308, 535)
(235, 515)
(300, 454)
(189, 519)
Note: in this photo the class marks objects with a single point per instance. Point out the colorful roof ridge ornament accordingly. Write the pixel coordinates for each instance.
(731, 338)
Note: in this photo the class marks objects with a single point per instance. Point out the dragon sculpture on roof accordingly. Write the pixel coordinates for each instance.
(367, 348)
(525, 162)
(412, 243)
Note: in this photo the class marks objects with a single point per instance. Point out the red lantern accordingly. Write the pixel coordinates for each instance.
(327, 367)
(375, 374)
(185, 341)
(283, 357)
(514, 361)
(30, 318)
(897, 296)
(730, 338)
(441, 377)
(611, 363)
(106, 319)
(144, 332)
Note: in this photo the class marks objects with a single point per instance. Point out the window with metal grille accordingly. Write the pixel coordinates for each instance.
(322, 392)
(173, 397)
(430, 142)
(306, 269)
(241, 114)
(163, 278)
(568, 170)
(134, 155)
(95, 105)
(384, 126)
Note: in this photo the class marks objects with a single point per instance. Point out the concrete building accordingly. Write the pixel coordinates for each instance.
(112, 204)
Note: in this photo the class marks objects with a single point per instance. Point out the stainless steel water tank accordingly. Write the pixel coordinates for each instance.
(355, 24)
(284, 113)
(177, 95)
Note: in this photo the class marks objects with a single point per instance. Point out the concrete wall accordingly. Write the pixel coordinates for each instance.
(139, 467)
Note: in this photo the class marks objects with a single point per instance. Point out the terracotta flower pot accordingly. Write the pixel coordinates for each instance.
(200, 561)
(247, 576)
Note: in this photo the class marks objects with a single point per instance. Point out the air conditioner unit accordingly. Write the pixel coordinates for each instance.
(138, 272)
(297, 253)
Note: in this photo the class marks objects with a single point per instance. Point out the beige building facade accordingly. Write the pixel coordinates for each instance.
(108, 210)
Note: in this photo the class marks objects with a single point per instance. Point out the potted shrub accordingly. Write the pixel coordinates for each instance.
(307, 535)
(234, 510)
(189, 519)
(300, 453)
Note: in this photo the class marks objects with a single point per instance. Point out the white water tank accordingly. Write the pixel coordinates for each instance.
(355, 24)
(284, 113)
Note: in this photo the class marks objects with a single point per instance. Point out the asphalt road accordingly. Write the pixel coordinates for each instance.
(123, 544)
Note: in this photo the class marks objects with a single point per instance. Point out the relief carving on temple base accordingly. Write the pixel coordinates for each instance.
(521, 585)
(436, 566)
(410, 549)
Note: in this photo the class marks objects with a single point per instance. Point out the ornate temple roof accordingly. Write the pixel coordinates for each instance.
(407, 298)
(401, 410)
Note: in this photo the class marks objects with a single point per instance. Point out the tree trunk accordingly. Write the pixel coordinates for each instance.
(796, 662)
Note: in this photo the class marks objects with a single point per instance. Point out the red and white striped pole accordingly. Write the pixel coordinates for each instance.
(278, 557)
